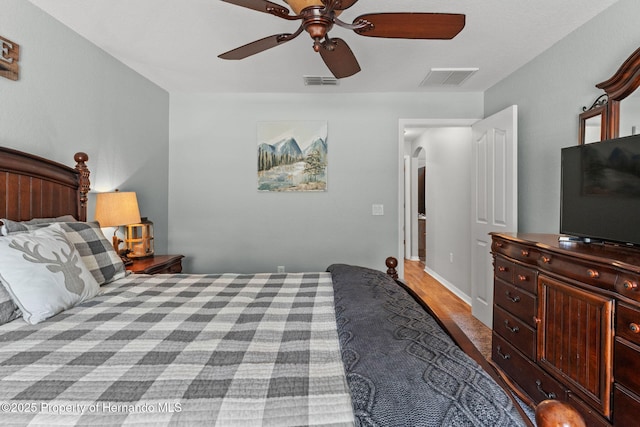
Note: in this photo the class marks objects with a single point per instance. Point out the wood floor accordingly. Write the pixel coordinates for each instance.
(449, 308)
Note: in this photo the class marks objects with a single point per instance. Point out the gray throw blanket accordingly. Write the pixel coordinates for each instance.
(402, 368)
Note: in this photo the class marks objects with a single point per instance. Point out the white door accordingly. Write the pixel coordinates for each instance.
(495, 200)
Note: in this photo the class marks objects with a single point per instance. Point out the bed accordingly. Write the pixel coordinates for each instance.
(345, 346)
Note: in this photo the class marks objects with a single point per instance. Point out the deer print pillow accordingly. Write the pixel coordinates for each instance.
(43, 273)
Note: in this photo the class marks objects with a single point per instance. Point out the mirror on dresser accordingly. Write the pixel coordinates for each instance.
(630, 115)
(592, 123)
(617, 111)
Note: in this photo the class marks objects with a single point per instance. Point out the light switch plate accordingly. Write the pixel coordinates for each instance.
(377, 209)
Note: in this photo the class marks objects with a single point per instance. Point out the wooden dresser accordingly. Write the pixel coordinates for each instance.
(566, 323)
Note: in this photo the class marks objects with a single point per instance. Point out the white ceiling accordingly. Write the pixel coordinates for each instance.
(175, 43)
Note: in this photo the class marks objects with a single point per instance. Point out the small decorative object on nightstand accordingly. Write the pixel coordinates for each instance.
(139, 239)
(157, 264)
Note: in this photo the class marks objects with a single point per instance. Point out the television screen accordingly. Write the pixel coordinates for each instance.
(601, 190)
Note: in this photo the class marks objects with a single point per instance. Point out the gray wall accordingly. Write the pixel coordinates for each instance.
(72, 96)
(550, 92)
(448, 153)
(222, 223)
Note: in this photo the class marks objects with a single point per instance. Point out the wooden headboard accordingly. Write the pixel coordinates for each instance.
(33, 187)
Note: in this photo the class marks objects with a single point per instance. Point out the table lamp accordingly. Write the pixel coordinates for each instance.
(116, 209)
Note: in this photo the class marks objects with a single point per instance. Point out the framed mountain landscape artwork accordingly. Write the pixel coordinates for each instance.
(292, 156)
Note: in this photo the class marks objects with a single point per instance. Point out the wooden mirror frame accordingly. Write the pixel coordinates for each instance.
(599, 108)
(622, 84)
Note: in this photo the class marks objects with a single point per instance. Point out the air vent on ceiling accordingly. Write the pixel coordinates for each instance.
(320, 81)
(448, 76)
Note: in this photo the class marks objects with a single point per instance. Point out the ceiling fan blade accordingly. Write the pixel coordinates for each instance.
(261, 6)
(411, 25)
(339, 58)
(256, 46)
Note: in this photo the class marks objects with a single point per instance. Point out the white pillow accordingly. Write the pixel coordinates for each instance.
(43, 273)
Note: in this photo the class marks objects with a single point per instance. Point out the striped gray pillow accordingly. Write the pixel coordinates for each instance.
(96, 251)
(22, 226)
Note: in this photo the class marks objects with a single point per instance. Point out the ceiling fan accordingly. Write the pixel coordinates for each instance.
(319, 16)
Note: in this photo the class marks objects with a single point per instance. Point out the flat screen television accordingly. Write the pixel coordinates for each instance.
(600, 191)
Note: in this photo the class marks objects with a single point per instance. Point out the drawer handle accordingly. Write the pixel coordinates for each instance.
(593, 273)
(513, 299)
(546, 259)
(502, 269)
(633, 327)
(522, 277)
(499, 244)
(524, 252)
(504, 356)
(550, 395)
(515, 329)
(628, 285)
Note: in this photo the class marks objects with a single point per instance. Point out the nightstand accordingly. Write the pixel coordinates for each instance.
(157, 264)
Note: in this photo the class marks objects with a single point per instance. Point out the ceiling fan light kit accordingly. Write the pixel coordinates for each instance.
(319, 16)
(298, 5)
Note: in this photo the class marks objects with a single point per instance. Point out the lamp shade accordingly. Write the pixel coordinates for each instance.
(117, 208)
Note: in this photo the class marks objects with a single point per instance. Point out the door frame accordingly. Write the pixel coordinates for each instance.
(402, 124)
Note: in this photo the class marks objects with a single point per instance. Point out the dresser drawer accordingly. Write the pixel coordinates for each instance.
(526, 278)
(174, 269)
(533, 380)
(516, 301)
(591, 417)
(629, 286)
(167, 269)
(504, 269)
(515, 331)
(628, 323)
(627, 365)
(597, 275)
(516, 251)
(627, 407)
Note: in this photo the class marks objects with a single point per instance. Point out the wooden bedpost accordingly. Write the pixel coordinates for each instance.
(84, 185)
(554, 413)
(392, 263)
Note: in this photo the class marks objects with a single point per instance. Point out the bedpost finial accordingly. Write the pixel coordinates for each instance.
(83, 183)
(553, 413)
(81, 157)
(392, 263)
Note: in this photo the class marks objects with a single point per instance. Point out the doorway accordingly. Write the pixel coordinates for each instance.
(457, 155)
(443, 147)
(422, 216)
(415, 192)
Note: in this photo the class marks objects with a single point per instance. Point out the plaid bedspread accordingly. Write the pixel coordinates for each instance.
(182, 350)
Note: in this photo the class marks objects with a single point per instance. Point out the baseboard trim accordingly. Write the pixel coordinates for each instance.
(464, 297)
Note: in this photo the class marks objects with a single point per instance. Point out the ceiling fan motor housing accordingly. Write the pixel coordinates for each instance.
(317, 23)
